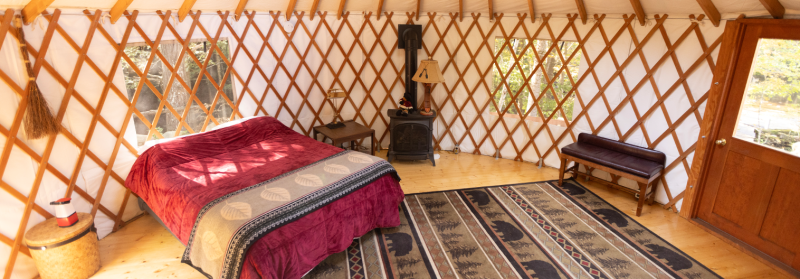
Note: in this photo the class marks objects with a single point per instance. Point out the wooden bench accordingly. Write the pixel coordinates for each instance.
(645, 166)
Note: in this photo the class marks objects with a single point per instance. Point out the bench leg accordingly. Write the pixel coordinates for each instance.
(576, 170)
(652, 197)
(588, 173)
(561, 171)
(642, 197)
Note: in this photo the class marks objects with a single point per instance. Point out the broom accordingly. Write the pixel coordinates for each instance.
(39, 121)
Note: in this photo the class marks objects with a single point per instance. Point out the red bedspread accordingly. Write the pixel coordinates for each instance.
(177, 178)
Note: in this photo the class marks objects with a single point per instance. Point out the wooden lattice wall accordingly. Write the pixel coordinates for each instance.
(283, 70)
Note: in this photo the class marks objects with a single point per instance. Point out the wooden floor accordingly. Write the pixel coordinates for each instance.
(144, 249)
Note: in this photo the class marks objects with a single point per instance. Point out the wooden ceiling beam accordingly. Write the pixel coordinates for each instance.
(185, 8)
(118, 9)
(33, 9)
(341, 9)
(290, 9)
(240, 9)
(531, 11)
(380, 8)
(711, 11)
(582, 10)
(314, 8)
(637, 8)
(774, 8)
(491, 10)
(460, 10)
(416, 11)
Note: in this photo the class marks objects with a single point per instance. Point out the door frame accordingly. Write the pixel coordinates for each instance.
(730, 52)
(730, 47)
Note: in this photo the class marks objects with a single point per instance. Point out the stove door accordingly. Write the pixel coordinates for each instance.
(411, 137)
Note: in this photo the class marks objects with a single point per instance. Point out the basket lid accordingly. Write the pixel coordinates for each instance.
(48, 232)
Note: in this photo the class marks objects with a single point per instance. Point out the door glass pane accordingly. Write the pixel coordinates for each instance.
(770, 114)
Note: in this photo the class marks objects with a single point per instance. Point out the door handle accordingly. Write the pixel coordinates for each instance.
(721, 142)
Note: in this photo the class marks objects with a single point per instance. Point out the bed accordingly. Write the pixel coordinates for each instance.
(260, 174)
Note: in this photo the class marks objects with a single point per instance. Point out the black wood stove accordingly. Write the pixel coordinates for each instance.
(411, 137)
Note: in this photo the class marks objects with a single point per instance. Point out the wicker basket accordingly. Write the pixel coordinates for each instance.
(69, 252)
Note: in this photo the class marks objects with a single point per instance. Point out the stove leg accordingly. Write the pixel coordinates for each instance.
(430, 156)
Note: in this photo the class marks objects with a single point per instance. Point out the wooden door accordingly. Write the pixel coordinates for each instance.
(753, 180)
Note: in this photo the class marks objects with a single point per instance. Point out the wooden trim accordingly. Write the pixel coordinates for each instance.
(290, 9)
(33, 9)
(416, 10)
(186, 7)
(380, 9)
(491, 10)
(240, 8)
(531, 11)
(581, 10)
(637, 8)
(774, 7)
(340, 11)
(118, 9)
(461, 10)
(723, 77)
(314, 6)
(711, 11)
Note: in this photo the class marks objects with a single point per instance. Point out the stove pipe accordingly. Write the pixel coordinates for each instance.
(410, 39)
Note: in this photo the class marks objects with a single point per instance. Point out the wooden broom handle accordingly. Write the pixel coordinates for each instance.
(23, 47)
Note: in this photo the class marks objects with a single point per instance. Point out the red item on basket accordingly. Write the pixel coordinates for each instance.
(65, 213)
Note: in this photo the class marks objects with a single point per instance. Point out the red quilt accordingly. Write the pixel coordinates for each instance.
(177, 178)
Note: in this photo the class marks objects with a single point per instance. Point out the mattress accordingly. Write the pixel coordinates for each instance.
(177, 179)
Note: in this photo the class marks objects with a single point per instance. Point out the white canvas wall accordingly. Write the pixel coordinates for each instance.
(303, 58)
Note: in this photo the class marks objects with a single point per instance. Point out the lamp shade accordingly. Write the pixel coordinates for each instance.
(335, 93)
(428, 72)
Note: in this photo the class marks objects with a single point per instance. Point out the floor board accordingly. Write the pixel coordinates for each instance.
(143, 249)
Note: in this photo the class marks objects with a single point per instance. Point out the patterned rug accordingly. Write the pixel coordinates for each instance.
(531, 230)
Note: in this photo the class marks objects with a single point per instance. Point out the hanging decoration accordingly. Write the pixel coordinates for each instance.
(39, 120)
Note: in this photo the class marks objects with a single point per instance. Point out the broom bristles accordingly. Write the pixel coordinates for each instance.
(39, 121)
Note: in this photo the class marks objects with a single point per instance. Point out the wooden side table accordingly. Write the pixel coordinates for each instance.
(351, 132)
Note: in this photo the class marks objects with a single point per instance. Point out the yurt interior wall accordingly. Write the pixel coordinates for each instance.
(608, 68)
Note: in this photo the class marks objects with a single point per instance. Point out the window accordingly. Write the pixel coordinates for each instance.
(178, 95)
(770, 113)
(510, 78)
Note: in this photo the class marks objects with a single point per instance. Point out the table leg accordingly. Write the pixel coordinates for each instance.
(372, 144)
(353, 145)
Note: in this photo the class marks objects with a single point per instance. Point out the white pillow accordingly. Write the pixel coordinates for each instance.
(234, 122)
(151, 143)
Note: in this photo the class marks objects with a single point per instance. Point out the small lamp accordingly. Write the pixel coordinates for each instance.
(428, 73)
(334, 94)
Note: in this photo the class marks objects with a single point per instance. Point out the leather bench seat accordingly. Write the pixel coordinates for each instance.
(621, 156)
(619, 159)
